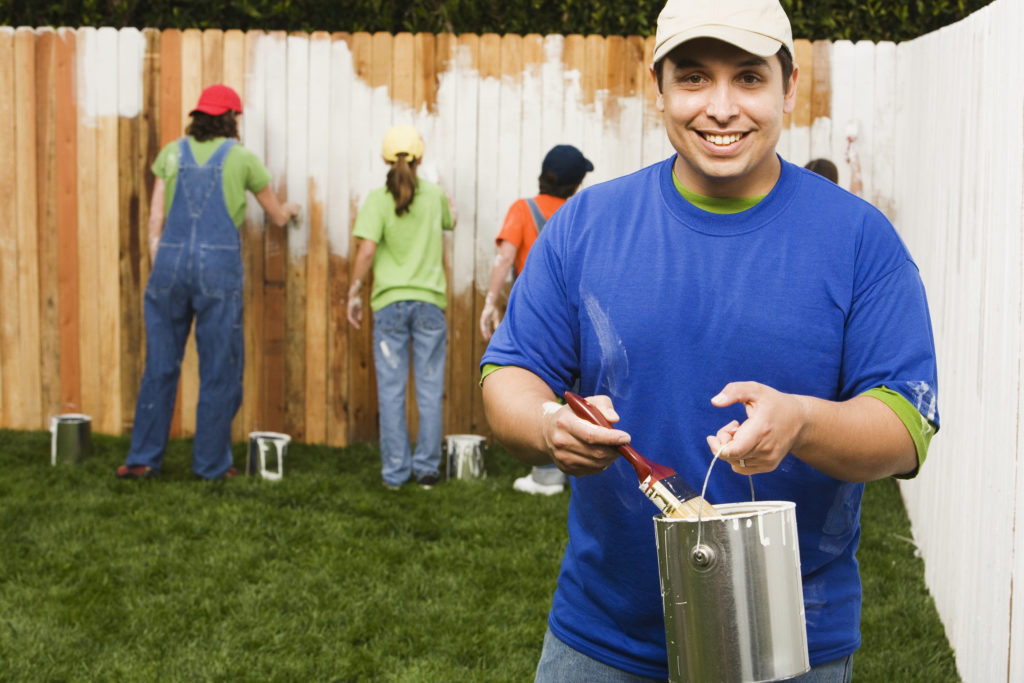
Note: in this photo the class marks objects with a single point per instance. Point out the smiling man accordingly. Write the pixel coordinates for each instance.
(721, 301)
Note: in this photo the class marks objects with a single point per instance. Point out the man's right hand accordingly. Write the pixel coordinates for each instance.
(580, 447)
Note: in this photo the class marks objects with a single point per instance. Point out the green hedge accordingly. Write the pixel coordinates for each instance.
(816, 19)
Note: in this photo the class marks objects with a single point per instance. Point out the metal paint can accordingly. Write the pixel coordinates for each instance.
(732, 594)
(464, 456)
(70, 438)
(264, 448)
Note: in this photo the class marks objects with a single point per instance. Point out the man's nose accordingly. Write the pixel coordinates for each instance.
(721, 105)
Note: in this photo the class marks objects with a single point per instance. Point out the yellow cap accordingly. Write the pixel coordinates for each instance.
(402, 140)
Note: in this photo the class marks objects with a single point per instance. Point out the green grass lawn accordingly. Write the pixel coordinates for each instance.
(326, 576)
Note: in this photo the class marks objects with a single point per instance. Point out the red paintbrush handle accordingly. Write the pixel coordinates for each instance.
(591, 414)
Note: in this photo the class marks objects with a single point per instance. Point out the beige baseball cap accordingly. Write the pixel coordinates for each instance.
(402, 140)
(759, 27)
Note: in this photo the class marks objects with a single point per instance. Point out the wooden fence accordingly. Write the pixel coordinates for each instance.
(85, 111)
(959, 170)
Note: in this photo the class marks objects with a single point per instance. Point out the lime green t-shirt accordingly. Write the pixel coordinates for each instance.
(408, 264)
(242, 171)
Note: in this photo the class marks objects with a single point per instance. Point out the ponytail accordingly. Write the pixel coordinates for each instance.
(402, 183)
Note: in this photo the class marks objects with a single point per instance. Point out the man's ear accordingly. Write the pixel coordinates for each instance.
(789, 101)
(660, 103)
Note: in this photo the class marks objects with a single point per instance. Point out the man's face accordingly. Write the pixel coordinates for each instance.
(723, 111)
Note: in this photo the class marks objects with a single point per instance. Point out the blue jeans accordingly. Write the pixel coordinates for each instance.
(560, 663)
(394, 327)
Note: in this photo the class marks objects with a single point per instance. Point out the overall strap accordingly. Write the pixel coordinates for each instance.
(185, 151)
(217, 158)
(538, 217)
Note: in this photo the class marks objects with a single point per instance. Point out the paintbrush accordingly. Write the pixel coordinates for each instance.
(666, 489)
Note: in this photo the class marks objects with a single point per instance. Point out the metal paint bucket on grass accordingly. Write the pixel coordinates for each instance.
(732, 594)
(70, 438)
(267, 447)
(464, 457)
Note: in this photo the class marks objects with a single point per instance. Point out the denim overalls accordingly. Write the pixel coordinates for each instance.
(197, 273)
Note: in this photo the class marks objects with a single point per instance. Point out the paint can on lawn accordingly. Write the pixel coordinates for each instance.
(732, 594)
(464, 456)
(264, 448)
(70, 438)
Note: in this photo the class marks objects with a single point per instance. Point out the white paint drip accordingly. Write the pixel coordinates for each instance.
(389, 357)
(765, 540)
(924, 401)
(549, 407)
(614, 361)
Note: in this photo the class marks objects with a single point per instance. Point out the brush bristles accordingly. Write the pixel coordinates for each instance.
(693, 508)
(676, 507)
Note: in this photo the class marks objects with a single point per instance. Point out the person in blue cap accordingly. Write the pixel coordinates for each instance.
(561, 175)
(201, 184)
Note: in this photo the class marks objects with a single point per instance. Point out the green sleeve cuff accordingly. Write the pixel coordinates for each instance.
(921, 430)
(488, 369)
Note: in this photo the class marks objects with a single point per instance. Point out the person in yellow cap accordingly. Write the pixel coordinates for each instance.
(400, 228)
(722, 302)
(197, 208)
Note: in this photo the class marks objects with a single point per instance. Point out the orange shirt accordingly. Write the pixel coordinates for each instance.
(519, 229)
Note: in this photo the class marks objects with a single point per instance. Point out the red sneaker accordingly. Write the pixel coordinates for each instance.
(136, 472)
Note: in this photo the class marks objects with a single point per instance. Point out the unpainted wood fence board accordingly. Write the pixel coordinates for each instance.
(88, 249)
(29, 376)
(46, 219)
(67, 222)
(10, 411)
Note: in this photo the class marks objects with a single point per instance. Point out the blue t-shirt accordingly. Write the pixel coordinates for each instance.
(646, 298)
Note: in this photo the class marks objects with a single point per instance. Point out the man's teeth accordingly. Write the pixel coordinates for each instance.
(722, 139)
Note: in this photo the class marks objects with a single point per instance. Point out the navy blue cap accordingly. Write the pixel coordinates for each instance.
(567, 164)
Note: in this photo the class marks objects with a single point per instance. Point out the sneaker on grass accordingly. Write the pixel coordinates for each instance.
(136, 472)
(428, 481)
(528, 484)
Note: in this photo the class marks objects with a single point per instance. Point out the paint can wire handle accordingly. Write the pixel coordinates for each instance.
(704, 489)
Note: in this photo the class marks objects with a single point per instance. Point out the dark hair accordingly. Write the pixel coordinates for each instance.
(785, 60)
(824, 168)
(205, 127)
(402, 183)
(549, 185)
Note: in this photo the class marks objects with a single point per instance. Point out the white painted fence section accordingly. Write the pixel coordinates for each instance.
(957, 189)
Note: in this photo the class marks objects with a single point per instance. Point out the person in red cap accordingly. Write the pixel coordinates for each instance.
(197, 208)
(561, 174)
